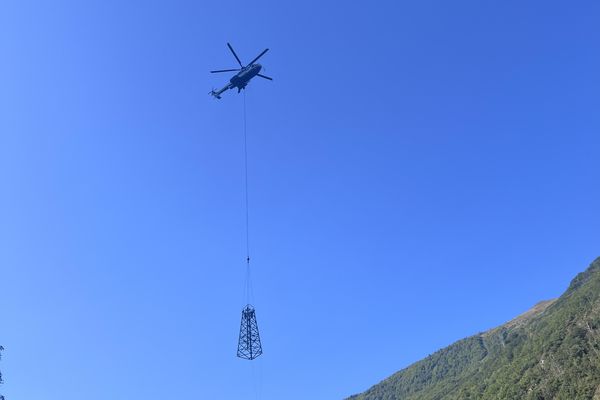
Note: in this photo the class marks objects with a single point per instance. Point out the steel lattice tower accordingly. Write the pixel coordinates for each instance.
(1, 348)
(249, 346)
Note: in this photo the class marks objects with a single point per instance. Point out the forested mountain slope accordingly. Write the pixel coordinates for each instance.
(550, 352)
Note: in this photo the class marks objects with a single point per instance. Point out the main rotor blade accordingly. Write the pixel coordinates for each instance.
(264, 76)
(257, 57)
(235, 55)
(224, 70)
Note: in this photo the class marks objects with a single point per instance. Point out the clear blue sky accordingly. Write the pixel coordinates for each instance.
(420, 171)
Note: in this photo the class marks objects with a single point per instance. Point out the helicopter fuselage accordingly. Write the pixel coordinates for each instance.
(241, 79)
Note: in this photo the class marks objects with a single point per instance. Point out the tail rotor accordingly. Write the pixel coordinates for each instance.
(215, 94)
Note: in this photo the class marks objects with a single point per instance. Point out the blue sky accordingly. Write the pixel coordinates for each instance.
(419, 172)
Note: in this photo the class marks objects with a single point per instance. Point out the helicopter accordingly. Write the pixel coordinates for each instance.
(245, 73)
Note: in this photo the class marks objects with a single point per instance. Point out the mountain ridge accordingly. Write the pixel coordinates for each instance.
(552, 351)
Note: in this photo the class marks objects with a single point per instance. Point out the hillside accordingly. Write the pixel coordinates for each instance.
(550, 352)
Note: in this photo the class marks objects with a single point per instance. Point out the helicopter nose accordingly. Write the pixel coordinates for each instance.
(258, 67)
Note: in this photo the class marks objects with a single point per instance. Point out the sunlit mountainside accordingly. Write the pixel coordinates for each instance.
(550, 352)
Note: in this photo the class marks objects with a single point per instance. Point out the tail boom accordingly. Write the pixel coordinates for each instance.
(217, 93)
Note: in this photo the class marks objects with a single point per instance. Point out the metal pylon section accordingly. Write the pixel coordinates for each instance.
(249, 346)
(1, 349)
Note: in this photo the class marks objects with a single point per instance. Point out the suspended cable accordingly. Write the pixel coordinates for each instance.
(249, 344)
(248, 286)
